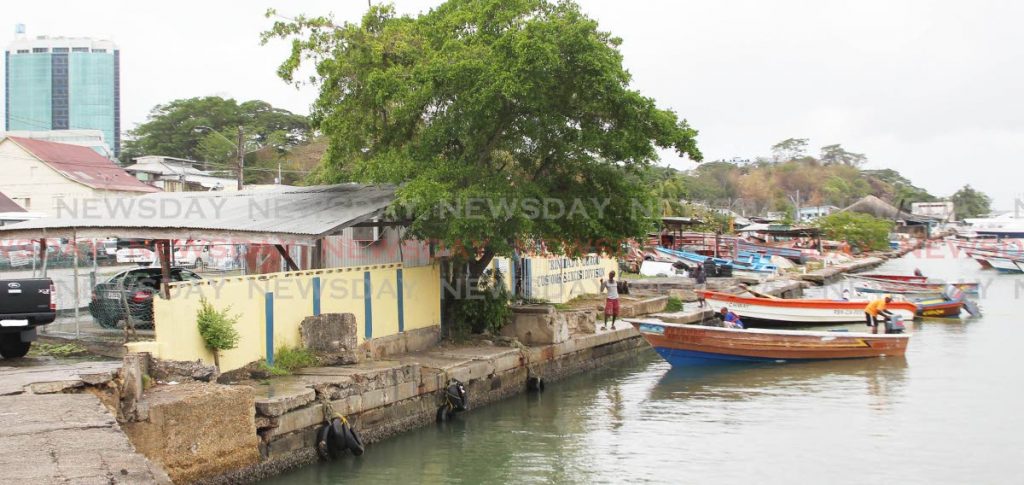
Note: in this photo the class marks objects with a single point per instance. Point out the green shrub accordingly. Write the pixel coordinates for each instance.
(674, 304)
(291, 359)
(484, 308)
(288, 360)
(217, 328)
(860, 230)
(57, 350)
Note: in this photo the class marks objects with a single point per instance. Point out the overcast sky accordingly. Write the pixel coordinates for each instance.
(930, 88)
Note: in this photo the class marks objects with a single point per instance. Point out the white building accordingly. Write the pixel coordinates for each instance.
(812, 213)
(43, 176)
(943, 211)
(177, 175)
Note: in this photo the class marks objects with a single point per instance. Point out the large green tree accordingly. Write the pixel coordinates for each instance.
(837, 155)
(968, 202)
(489, 106)
(206, 129)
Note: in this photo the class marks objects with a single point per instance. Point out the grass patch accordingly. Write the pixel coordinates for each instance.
(288, 360)
(674, 304)
(57, 350)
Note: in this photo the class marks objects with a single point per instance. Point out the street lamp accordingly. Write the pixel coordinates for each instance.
(238, 150)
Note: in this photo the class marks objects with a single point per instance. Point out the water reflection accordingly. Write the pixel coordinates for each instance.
(741, 382)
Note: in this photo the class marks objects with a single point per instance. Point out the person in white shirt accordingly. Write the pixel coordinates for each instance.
(611, 302)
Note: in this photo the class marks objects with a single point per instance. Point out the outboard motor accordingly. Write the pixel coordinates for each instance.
(455, 400)
(894, 325)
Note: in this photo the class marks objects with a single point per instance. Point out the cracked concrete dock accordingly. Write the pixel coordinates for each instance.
(50, 433)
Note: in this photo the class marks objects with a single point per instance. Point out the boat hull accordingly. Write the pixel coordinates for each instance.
(800, 312)
(792, 254)
(872, 284)
(940, 309)
(1005, 265)
(682, 344)
(897, 278)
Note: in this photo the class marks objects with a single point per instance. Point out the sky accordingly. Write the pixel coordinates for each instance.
(929, 88)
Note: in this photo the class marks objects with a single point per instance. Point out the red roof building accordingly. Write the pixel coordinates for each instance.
(47, 177)
(8, 205)
(83, 165)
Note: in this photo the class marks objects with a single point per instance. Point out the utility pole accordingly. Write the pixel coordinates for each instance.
(241, 158)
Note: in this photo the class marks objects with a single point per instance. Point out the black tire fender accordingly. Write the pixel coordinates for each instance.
(535, 384)
(336, 437)
(353, 442)
(322, 448)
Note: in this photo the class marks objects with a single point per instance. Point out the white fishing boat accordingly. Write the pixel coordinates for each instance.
(778, 311)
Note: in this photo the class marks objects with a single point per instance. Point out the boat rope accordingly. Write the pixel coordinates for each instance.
(525, 355)
(328, 409)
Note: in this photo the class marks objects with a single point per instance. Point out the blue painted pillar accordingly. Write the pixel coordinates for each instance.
(269, 311)
(401, 302)
(368, 305)
(316, 296)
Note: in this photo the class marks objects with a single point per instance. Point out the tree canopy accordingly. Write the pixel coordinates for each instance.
(968, 202)
(182, 128)
(772, 182)
(489, 104)
(862, 231)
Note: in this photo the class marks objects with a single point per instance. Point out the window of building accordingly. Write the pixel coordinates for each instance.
(38, 50)
(79, 49)
(60, 50)
(23, 51)
(99, 50)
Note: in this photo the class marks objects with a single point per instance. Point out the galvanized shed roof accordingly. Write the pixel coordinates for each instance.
(291, 214)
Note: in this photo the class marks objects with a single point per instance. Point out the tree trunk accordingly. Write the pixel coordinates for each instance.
(216, 359)
(477, 266)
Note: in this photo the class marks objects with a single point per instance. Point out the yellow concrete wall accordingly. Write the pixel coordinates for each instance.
(177, 336)
(559, 279)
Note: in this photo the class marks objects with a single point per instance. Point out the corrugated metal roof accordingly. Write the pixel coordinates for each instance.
(8, 205)
(83, 165)
(288, 213)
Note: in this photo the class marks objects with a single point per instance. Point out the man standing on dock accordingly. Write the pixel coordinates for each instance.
(874, 310)
(611, 303)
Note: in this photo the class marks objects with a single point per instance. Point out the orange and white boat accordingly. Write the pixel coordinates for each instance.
(778, 311)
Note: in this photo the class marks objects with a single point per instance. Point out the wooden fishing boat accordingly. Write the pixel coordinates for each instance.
(1002, 261)
(870, 284)
(939, 307)
(682, 344)
(778, 311)
(1005, 264)
(894, 277)
(753, 265)
(979, 257)
(794, 254)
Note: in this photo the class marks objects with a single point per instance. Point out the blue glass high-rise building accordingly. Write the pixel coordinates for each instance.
(60, 83)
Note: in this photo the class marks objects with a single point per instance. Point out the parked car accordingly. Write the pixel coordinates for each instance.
(131, 292)
(192, 256)
(26, 304)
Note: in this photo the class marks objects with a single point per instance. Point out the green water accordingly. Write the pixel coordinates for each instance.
(950, 412)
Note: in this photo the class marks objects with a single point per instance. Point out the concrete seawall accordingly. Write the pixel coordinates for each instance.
(385, 398)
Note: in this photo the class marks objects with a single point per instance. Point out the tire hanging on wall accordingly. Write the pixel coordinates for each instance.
(353, 442)
(535, 384)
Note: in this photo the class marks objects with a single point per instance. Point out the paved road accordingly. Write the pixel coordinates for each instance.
(49, 436)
